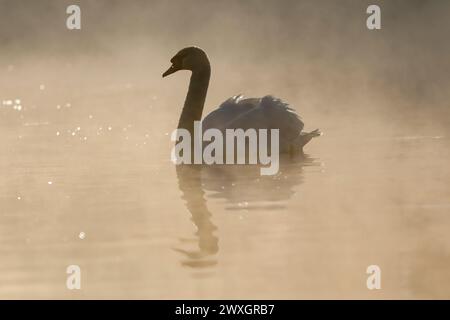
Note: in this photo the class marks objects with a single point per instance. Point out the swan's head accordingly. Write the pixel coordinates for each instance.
(190, 58)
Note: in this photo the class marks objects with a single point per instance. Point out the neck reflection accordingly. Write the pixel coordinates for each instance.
(189, 183)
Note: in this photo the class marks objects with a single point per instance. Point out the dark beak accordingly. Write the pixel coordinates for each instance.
(169, 71)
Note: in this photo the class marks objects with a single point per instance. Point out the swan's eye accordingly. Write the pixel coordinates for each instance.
(178, 59)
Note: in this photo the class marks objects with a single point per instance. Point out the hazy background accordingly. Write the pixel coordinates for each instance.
(319, 54)
(95, 118)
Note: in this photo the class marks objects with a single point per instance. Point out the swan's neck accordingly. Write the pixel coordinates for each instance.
(195, 99)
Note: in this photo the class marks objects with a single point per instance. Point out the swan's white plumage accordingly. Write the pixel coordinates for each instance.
(258, 113)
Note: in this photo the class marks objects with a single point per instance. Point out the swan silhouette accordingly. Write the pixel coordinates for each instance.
(237, 112)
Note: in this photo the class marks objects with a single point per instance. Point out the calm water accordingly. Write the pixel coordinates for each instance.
(94, 158)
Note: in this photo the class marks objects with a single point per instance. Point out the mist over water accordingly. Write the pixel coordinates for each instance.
(85, 123)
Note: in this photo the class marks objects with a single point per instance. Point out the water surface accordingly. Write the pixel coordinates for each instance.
(95, 159)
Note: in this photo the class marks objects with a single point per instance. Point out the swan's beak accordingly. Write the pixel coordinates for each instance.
(171, 70)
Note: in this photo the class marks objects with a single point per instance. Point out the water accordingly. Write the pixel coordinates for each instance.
(86, 179)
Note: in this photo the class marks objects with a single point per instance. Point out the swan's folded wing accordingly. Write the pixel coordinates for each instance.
(257, 113)
(281, 116)
(228, 111)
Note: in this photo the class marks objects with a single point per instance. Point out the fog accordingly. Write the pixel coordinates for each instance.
(319, 55)
(95, 120)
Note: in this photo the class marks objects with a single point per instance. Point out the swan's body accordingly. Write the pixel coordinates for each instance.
(260, 113)
(236, 112)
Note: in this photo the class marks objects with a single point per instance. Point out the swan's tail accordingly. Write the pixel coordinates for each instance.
(315, 133)
(305, 137)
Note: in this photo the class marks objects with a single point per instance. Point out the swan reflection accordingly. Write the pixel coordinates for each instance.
(242, 188)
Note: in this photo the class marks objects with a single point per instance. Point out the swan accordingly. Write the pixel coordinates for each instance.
(237, 112)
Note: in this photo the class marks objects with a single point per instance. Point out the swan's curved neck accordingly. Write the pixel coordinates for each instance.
(195, 99)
